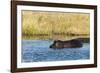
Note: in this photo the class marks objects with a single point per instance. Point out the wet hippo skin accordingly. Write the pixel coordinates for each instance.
(74, 43)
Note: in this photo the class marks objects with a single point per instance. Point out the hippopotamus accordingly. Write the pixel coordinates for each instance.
(74, 43)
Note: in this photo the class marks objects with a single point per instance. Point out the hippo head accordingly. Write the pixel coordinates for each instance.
(56, 44)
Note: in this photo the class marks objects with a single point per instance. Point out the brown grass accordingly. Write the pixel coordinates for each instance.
(54, 22)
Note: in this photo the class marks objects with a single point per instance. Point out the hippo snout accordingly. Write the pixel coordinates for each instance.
(50, 46)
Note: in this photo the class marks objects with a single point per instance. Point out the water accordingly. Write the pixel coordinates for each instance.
(39, 51)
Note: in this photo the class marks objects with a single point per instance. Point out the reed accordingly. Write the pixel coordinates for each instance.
(49, 23)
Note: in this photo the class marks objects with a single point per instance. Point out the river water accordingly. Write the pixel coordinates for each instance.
(39, 51)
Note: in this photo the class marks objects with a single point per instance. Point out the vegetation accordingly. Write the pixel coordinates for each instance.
(54, 25)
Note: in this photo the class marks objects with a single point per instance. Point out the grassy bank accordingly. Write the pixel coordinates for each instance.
(53, 25)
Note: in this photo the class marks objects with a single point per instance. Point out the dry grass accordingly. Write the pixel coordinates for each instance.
(54, 22)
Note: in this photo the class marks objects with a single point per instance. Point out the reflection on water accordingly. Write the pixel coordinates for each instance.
(39, 51)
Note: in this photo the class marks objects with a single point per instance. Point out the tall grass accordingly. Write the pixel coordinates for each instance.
(34, 23)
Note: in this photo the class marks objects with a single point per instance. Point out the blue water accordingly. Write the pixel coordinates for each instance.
(39, 51)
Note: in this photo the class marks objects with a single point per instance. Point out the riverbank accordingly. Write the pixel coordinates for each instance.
(84, 39)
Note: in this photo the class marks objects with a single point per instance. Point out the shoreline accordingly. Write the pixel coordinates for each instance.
(84, 40)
